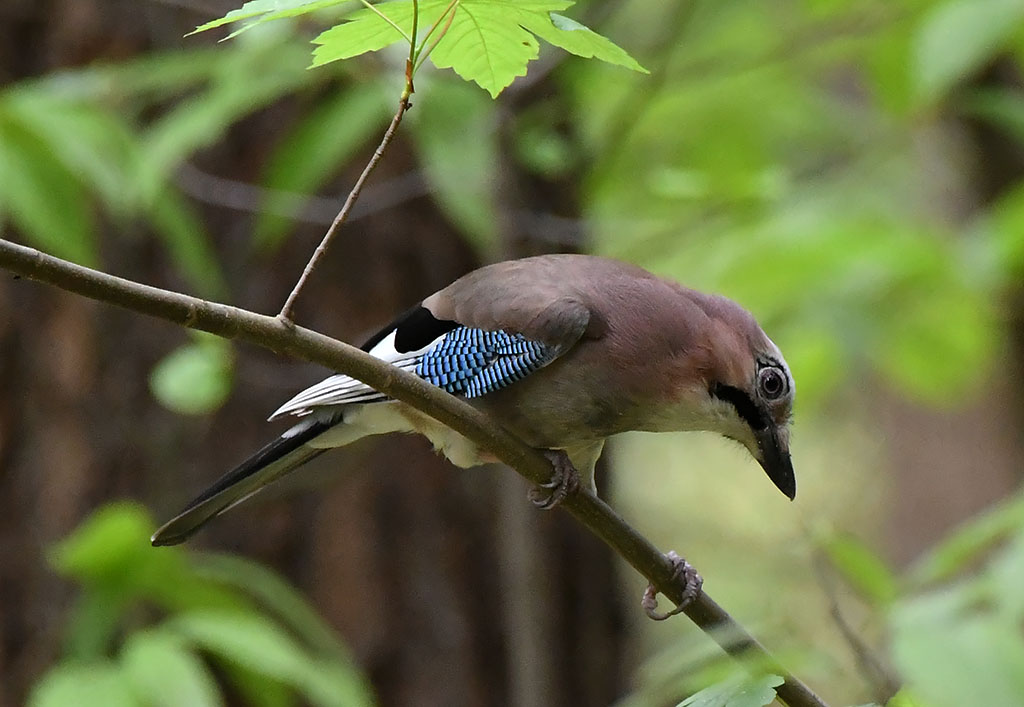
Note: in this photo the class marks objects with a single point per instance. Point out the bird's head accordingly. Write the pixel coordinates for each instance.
(750, 391)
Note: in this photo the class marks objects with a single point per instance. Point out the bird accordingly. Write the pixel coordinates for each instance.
(564, 351)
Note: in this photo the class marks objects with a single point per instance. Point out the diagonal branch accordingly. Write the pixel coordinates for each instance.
(321, 250)
(282, 337)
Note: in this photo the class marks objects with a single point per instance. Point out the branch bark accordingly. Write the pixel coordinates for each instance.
(282, 337)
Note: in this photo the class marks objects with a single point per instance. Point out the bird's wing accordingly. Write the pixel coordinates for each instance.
(461, 356)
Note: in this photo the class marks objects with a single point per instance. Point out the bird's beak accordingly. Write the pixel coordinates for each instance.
(774, 458)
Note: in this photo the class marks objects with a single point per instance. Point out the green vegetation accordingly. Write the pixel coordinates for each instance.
(785, 154)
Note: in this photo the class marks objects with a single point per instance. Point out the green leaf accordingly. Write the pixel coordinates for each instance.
(577, 39)
(311, 152)
(266, 10)
(966, 544)
(271, 70)
(956, 38)
(489, 42)
(44, 200)
(105, 544)
(95, 145)
(253, 642)
(84, 685)
(952, 652)
(276, 595)
(164, 673)
(862, 568)
(744, 692)
(455, 127)
(194, 379)
(184, 235)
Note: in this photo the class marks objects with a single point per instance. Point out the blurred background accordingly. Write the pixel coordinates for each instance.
(851, 172)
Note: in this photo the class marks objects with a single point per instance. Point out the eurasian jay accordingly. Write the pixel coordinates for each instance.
(564, 351)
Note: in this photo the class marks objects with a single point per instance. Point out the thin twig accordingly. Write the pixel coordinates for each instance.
(403, 105)
(285, 315)
(277, 335)
(884, 684)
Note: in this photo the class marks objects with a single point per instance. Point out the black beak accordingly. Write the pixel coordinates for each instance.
(774, 458)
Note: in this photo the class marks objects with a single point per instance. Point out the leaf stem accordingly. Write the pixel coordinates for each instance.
(421, 55)
(406, 37)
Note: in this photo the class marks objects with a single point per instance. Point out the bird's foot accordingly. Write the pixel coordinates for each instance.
(565, 479)
(692, 583)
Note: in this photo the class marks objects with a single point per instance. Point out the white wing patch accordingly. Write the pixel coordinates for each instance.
(341, 389)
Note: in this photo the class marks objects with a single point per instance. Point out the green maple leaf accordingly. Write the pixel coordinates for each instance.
(489, 42)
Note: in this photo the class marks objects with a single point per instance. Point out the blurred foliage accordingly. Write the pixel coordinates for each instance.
(796, 155)
(951, 623)
(170, 627)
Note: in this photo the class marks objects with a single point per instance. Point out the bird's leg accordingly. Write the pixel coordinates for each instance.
(692, 583)
(565, 479)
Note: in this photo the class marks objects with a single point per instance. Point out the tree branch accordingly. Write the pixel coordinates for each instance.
(403, 105)
(282, 337)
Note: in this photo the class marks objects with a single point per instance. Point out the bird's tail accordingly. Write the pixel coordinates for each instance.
(290, 450)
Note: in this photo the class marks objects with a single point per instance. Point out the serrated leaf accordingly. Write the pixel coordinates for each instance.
(98, 684)
(455, 127)
(958, 37)
(746, 692)
(164, 673)
(313, 150)
(862, 568)
(194, 379)
(489, 42)
(578, 39)
(266, 10)
(44, 200)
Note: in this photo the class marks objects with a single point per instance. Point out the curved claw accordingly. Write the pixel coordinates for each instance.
(565, 479)
(692, 584)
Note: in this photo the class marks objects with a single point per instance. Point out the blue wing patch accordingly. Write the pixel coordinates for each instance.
(473, 362)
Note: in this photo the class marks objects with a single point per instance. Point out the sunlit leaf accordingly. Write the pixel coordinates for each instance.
(258, 11)
(99, 684)
(164, 673)
(746, 692)
(196, 378)
(576, 38)
(958, 37)
(488, 42)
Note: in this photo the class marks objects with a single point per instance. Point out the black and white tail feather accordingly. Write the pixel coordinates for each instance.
(462, 360)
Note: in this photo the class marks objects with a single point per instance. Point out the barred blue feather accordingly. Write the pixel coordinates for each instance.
(472, 362)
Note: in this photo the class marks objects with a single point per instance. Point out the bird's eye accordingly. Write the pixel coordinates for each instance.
(772, 382)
